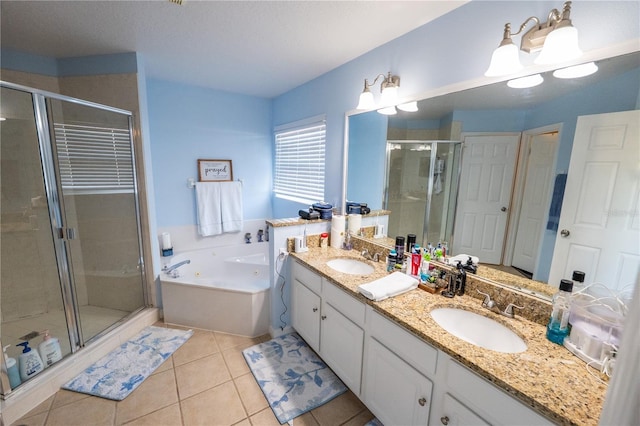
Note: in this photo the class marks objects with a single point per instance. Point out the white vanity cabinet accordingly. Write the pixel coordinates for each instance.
(331, 322)
(305, 304)
(469, 399)
(396, 384)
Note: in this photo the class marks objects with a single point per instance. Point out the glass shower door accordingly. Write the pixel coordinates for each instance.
(95, 164)
(31, 298)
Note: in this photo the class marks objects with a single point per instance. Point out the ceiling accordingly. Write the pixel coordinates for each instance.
(259, 48)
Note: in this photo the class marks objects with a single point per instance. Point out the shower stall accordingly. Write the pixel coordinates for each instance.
(70, 240)
(421, 188)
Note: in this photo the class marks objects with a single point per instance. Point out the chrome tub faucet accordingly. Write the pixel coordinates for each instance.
(173, 269)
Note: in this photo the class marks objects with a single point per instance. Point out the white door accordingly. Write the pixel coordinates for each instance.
(486, 182)
(535, 200)
(599, 228)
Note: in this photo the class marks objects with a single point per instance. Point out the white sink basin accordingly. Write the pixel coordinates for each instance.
(350, 266)
(478, 330)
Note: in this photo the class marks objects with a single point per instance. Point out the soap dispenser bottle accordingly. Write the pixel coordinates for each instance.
(12, 369)
(558, 326)
(49, 349)
(30, 362)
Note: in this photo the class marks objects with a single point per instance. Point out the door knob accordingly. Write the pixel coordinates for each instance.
(422, 402)
(444, 420)
(503, 209)
(565, 233)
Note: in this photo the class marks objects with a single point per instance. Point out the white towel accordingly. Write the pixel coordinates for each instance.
(219, 207)
(208, 203)
(231, 206)
(389, 286)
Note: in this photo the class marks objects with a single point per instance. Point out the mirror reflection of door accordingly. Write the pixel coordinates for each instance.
(540, 152)
(599, 229)
(486, 183)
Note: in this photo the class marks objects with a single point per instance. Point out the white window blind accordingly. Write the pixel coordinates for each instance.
(94, 159)
(300, 161)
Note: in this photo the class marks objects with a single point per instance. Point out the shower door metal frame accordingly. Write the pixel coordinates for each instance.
(60, 233)
(432, 164)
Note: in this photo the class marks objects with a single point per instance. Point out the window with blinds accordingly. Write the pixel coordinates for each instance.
(300, 160)
(94, 159)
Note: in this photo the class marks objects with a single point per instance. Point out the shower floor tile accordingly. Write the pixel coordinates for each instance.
(181, 397)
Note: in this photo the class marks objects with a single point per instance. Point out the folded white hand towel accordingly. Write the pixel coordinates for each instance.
(389, 286)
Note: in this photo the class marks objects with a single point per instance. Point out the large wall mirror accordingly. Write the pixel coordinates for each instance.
(516, 150)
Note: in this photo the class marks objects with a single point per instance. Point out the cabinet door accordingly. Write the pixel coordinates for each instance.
(342, 346)
(305, 309)
(456, 414)
(393, 390)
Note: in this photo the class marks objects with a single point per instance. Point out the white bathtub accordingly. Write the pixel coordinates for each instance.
(223, 289)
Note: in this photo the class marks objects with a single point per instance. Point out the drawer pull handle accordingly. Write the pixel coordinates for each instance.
(422, 402)
(444, 420)
(315, 309)
(324, 317)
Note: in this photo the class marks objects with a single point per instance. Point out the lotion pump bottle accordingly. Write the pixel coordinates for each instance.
(49, 349)
(558, 326)
(30, 362)
(12, 369)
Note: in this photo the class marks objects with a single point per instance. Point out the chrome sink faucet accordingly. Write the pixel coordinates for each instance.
(491, 305)
(376, 257)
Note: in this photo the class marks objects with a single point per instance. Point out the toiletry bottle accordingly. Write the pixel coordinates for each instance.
(416, 260)
(49, 349)
(391, 261)
(411, 242)
(400, 250)
(578, 280)
(12, 369)
(30, 362)
(558, 327)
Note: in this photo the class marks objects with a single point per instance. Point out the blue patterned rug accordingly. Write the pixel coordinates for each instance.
(117, 374)
(292, 377)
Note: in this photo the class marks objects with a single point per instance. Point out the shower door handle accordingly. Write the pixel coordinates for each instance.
(71, 233)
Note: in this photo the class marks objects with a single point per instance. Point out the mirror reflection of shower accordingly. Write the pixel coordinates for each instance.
(421, 187)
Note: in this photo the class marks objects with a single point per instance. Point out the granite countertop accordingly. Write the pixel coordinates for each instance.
(546, 377)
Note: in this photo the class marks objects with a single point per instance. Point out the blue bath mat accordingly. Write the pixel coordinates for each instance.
(121, 371)
(292, 377)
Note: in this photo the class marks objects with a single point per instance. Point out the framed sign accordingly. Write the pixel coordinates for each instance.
(214, 171)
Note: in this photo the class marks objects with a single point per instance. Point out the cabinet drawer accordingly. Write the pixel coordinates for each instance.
(487, 400)
(348, 305)
(307, 277)
(416, 352)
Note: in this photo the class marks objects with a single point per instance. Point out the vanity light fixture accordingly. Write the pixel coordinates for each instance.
(388, 92)
(576, 71)
(409, 106)
(391, 110)
(525, 82)
(557, 39)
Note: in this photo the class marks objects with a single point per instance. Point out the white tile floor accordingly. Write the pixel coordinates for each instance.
(205, 382)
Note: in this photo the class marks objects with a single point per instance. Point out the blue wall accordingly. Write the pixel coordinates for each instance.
(188, 123)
